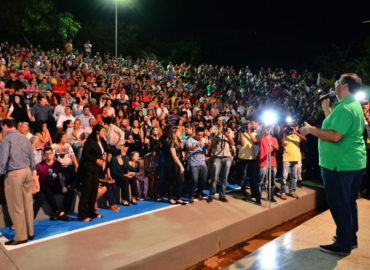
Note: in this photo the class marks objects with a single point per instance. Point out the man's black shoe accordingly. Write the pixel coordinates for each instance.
(258, 201)
(14, 243)
(299, 183)
(332, 249)
(273, 199)
(354, 245)
(223, 199)
(31, 237)
(209, 199)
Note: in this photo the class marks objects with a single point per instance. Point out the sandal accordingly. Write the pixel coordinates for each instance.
(125, 203)
(181, 202)
(86, 219)
(172, 201)
(113, 208)
(134, 202)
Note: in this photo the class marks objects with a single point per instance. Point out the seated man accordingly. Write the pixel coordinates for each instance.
(52, 182)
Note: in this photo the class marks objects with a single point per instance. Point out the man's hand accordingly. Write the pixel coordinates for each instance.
(249, 128)
(305, 129)
(325, 105)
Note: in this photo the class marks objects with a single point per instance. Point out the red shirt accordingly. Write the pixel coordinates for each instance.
(48, 174)
(60, 90)
(95, 110)
(263, 152)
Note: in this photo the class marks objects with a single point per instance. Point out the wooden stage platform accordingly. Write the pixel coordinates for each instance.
(175, 237)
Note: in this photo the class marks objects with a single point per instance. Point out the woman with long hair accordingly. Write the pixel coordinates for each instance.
(19, 111)
(41, 131)
(138, 135)
(89, 169)
(176, 168)
(65, 155)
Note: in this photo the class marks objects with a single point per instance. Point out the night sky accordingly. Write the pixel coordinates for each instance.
(262, 32)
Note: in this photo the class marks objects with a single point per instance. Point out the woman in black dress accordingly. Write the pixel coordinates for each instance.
(176, 168)
(89, 169)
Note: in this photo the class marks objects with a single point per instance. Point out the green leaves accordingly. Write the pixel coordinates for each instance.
(37, 22)
(67, 26)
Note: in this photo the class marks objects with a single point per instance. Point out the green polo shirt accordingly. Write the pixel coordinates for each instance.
(349, 154)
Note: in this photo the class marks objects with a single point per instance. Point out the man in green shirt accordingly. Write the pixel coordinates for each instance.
(342, 156)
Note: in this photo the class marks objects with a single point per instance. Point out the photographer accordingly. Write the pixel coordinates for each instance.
(343, 160)
(197, 150)
(221, 146)
(248, 138)
(263, 163)
(291, 156)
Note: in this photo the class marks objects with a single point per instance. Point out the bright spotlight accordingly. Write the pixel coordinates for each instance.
(360, 95)
(289, 120)
(269, 117)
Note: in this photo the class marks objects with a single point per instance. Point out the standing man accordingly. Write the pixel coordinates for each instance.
(342, 156)
(221, 145)
(17, 163)
(88, 47)
(248, 159)
(197, 149)
(291, 157)
(263, 164)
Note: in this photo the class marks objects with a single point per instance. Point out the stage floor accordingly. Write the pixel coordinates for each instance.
(298, 249)
(171, 237)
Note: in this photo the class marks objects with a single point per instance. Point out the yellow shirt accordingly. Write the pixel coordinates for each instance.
(247, 151)
(292, 152)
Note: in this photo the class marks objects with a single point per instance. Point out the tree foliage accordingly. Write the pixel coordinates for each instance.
(37, 22)
(67, 26)
(352, 58)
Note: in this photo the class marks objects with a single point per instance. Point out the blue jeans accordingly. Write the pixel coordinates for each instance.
(341, 190)
(289, 168)
(264, 179)
(248, 167)
(198, 179)
(221, 168)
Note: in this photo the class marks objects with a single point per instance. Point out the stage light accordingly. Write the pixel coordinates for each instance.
(289, 120)
(269, 117)
(360, 95)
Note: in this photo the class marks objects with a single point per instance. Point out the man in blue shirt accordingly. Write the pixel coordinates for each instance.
(197, 148)
(16, 162)
(41, 110)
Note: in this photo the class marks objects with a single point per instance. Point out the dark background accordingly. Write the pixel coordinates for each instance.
(256, 33)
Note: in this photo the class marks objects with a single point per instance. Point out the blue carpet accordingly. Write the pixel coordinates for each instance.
(46, 227)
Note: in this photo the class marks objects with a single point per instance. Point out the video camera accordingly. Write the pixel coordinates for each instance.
(244, 125)
(290, 125)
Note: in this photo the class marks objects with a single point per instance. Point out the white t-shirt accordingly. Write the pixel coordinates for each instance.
(63, 118)
(124, 99)
(63, 154)
(88, 47)
(111, 112)
(58, 111)
(163, 111)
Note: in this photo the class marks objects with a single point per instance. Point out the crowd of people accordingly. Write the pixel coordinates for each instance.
(123, 130)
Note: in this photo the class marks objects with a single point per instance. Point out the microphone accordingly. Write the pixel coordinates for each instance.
(331, 95)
